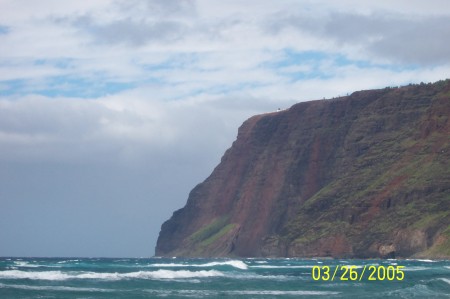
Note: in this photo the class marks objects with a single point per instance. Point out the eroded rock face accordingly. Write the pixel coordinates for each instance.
(365, 175)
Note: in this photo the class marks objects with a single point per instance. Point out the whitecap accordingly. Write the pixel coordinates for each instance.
(25, 264)
(22, 264)
(170, 265)
(234, 263)
(58, 275)
(414, 268)
(54, 288)
(169, 274)
(426, 261)
(282, 267)
(445, 280)
(281, 293)
(67, 261)
(421, 260)
(254, 276)
(44, 275)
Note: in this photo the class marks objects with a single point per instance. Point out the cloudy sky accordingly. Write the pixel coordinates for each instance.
(111, 111)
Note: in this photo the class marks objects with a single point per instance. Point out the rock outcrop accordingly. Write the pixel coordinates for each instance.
(366, 175)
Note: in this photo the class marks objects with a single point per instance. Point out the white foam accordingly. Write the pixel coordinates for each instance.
(252, 276)
(210, 293)
(22, 264)
(422, 260)
(68, 261)
(414, 269)
(53, 288)
(426, 261)
(171, 265)
(25, 264)
(44, 275)
(58, 275)
(445, 280)
(283, 267)
(280, 293)
(168, 274)
(234, 263)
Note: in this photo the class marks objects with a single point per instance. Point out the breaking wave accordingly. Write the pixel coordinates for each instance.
(282, 267)
(53, 288)
(446, 280)
(58, 275)
(280, 293)
(233, 263)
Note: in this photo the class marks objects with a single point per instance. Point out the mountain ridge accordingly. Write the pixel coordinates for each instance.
(366, 175)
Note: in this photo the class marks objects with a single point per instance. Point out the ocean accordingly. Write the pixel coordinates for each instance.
(222, 278)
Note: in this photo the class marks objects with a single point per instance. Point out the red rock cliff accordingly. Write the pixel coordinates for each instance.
(365, 175)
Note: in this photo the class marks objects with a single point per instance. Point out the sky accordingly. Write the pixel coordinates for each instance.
(111, 111)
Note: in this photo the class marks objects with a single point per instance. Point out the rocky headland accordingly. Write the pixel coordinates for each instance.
(361, 176)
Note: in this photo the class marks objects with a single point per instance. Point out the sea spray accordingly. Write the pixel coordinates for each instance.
(213, 278)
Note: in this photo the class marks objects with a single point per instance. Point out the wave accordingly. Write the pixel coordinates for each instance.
(282, 267)
(23, 264)
(415, 268)
(445, 280)
(53, 288)
(161, 274)
(280, 293)
(234, 263)
(214, 293)
(294, 267)
(422, 260)
(68, 261)
(254, 276)
(44, 275)
(58, 275)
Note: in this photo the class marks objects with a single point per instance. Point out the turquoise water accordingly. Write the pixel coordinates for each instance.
(222, 278)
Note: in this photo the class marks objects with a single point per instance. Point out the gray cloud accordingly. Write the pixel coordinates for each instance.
(128, 31)
(418, 42)
(397, 38)
(139, 22)
(162, 9)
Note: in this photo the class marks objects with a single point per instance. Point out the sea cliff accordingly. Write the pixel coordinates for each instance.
(361, 176)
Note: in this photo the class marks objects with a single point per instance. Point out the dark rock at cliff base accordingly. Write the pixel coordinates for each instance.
(363, 176)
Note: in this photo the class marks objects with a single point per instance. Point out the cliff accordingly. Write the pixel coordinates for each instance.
(366, 175)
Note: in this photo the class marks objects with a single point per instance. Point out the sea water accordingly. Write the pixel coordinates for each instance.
(222, 278)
